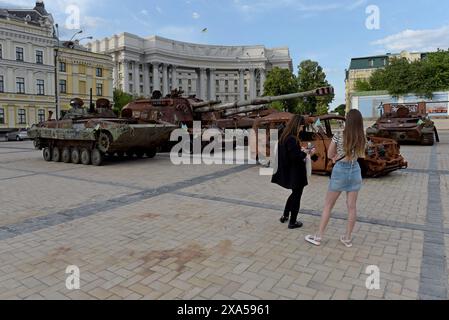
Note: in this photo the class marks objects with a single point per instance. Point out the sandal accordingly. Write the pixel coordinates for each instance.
(315, 240)
(347, 243)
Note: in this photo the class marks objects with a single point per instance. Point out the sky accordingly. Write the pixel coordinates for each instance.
(328, 31)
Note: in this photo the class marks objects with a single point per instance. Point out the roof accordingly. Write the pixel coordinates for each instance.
(33, 16)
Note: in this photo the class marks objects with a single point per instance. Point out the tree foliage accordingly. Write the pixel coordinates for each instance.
(341, 110)
(400, 77)
(312, 76)
(279, 82)
(121, 99)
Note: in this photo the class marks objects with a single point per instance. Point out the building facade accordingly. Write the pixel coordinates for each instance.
(368, 103)
(26, 66)
(80, 71)
(363, 68)
(226, 73)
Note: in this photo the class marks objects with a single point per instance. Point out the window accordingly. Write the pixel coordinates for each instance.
(2, 116)
(62, 67)
(40, 87)
(39, 57)
(226, 82)
(1, 52)
(371, 62)
(180, 81)
(130, 77)
(20, 84)
(19, 54)
(82, 87)
(235, 82)
(190, 82)
(141, 89)
(62, 86)
(2, 84)
(22, 116)
(99, 72)
(82, 69)
(140, 67)
(99, 89)
(41, 115)
(141, 78)
(131, 88)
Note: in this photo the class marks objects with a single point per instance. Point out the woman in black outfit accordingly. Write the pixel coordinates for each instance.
(291, 172)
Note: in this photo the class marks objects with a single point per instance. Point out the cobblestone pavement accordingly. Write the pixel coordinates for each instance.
(146, 229)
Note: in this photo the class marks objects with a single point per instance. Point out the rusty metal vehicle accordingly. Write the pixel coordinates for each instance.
(382, 155)
(405, 123)
(184, 111)
(88, 135)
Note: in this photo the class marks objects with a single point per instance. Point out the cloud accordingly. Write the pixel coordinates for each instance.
(416, 40)
(159, 10)
(196, 15)
(247, 6)
(144, 12)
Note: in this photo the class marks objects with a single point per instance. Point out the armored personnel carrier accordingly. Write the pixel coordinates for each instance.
(87, 135)
(405, 123)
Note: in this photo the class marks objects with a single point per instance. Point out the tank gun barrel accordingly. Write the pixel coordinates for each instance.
(233, 112)
(266, 100)
(205, 104)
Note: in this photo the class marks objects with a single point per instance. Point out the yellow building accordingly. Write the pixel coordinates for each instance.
(79, 71)
(26, 66)
(363, 68)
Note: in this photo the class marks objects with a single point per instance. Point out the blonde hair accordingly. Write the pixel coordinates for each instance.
(354, 140)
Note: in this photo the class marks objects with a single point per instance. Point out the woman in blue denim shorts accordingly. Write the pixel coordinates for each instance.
(344, 150)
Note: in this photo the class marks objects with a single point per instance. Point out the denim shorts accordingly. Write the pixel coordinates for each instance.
(346, 177)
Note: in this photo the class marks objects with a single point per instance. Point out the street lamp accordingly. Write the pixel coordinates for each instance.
(77, 33)
(56, 35)
(85, 38)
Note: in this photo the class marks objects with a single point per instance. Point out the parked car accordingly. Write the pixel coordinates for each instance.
(19, 135)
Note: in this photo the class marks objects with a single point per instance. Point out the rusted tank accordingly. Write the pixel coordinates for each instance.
(382, 154)
(405, 123)
(88, 135)
(180, 110)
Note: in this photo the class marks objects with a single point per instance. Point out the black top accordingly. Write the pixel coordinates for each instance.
(291, 172)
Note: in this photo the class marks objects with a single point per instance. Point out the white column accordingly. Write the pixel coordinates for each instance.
(174, 77)
(165, 89)
(116, 80)
(242, 84)
(136, 77)
(262, 81)
(212, 91)
(203, 84)
(252, 84)
(156, 79)
(146, 80)
(125, 76)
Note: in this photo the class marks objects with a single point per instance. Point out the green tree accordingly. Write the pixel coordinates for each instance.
(312, 76)
(121, 99)
(422, 77)
(341, 110)
(362, 85)
(279, 82)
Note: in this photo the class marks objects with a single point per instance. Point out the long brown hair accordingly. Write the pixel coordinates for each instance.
(354, 140)
(293, 129)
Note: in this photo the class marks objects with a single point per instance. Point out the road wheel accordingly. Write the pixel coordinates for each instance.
(151, 153)
(66, 155)
(85, 157)
(56, 155)
(139, 154)
(76, 156)
(47, 154)
(97, 157)
(428, 139)
(18, 138)
(104, 142)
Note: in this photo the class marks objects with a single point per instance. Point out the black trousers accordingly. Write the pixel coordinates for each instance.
(293, 205)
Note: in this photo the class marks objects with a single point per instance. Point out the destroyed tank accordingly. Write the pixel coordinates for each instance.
(183, 111)
(405, 123)
(382, 154)
(88, 135)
